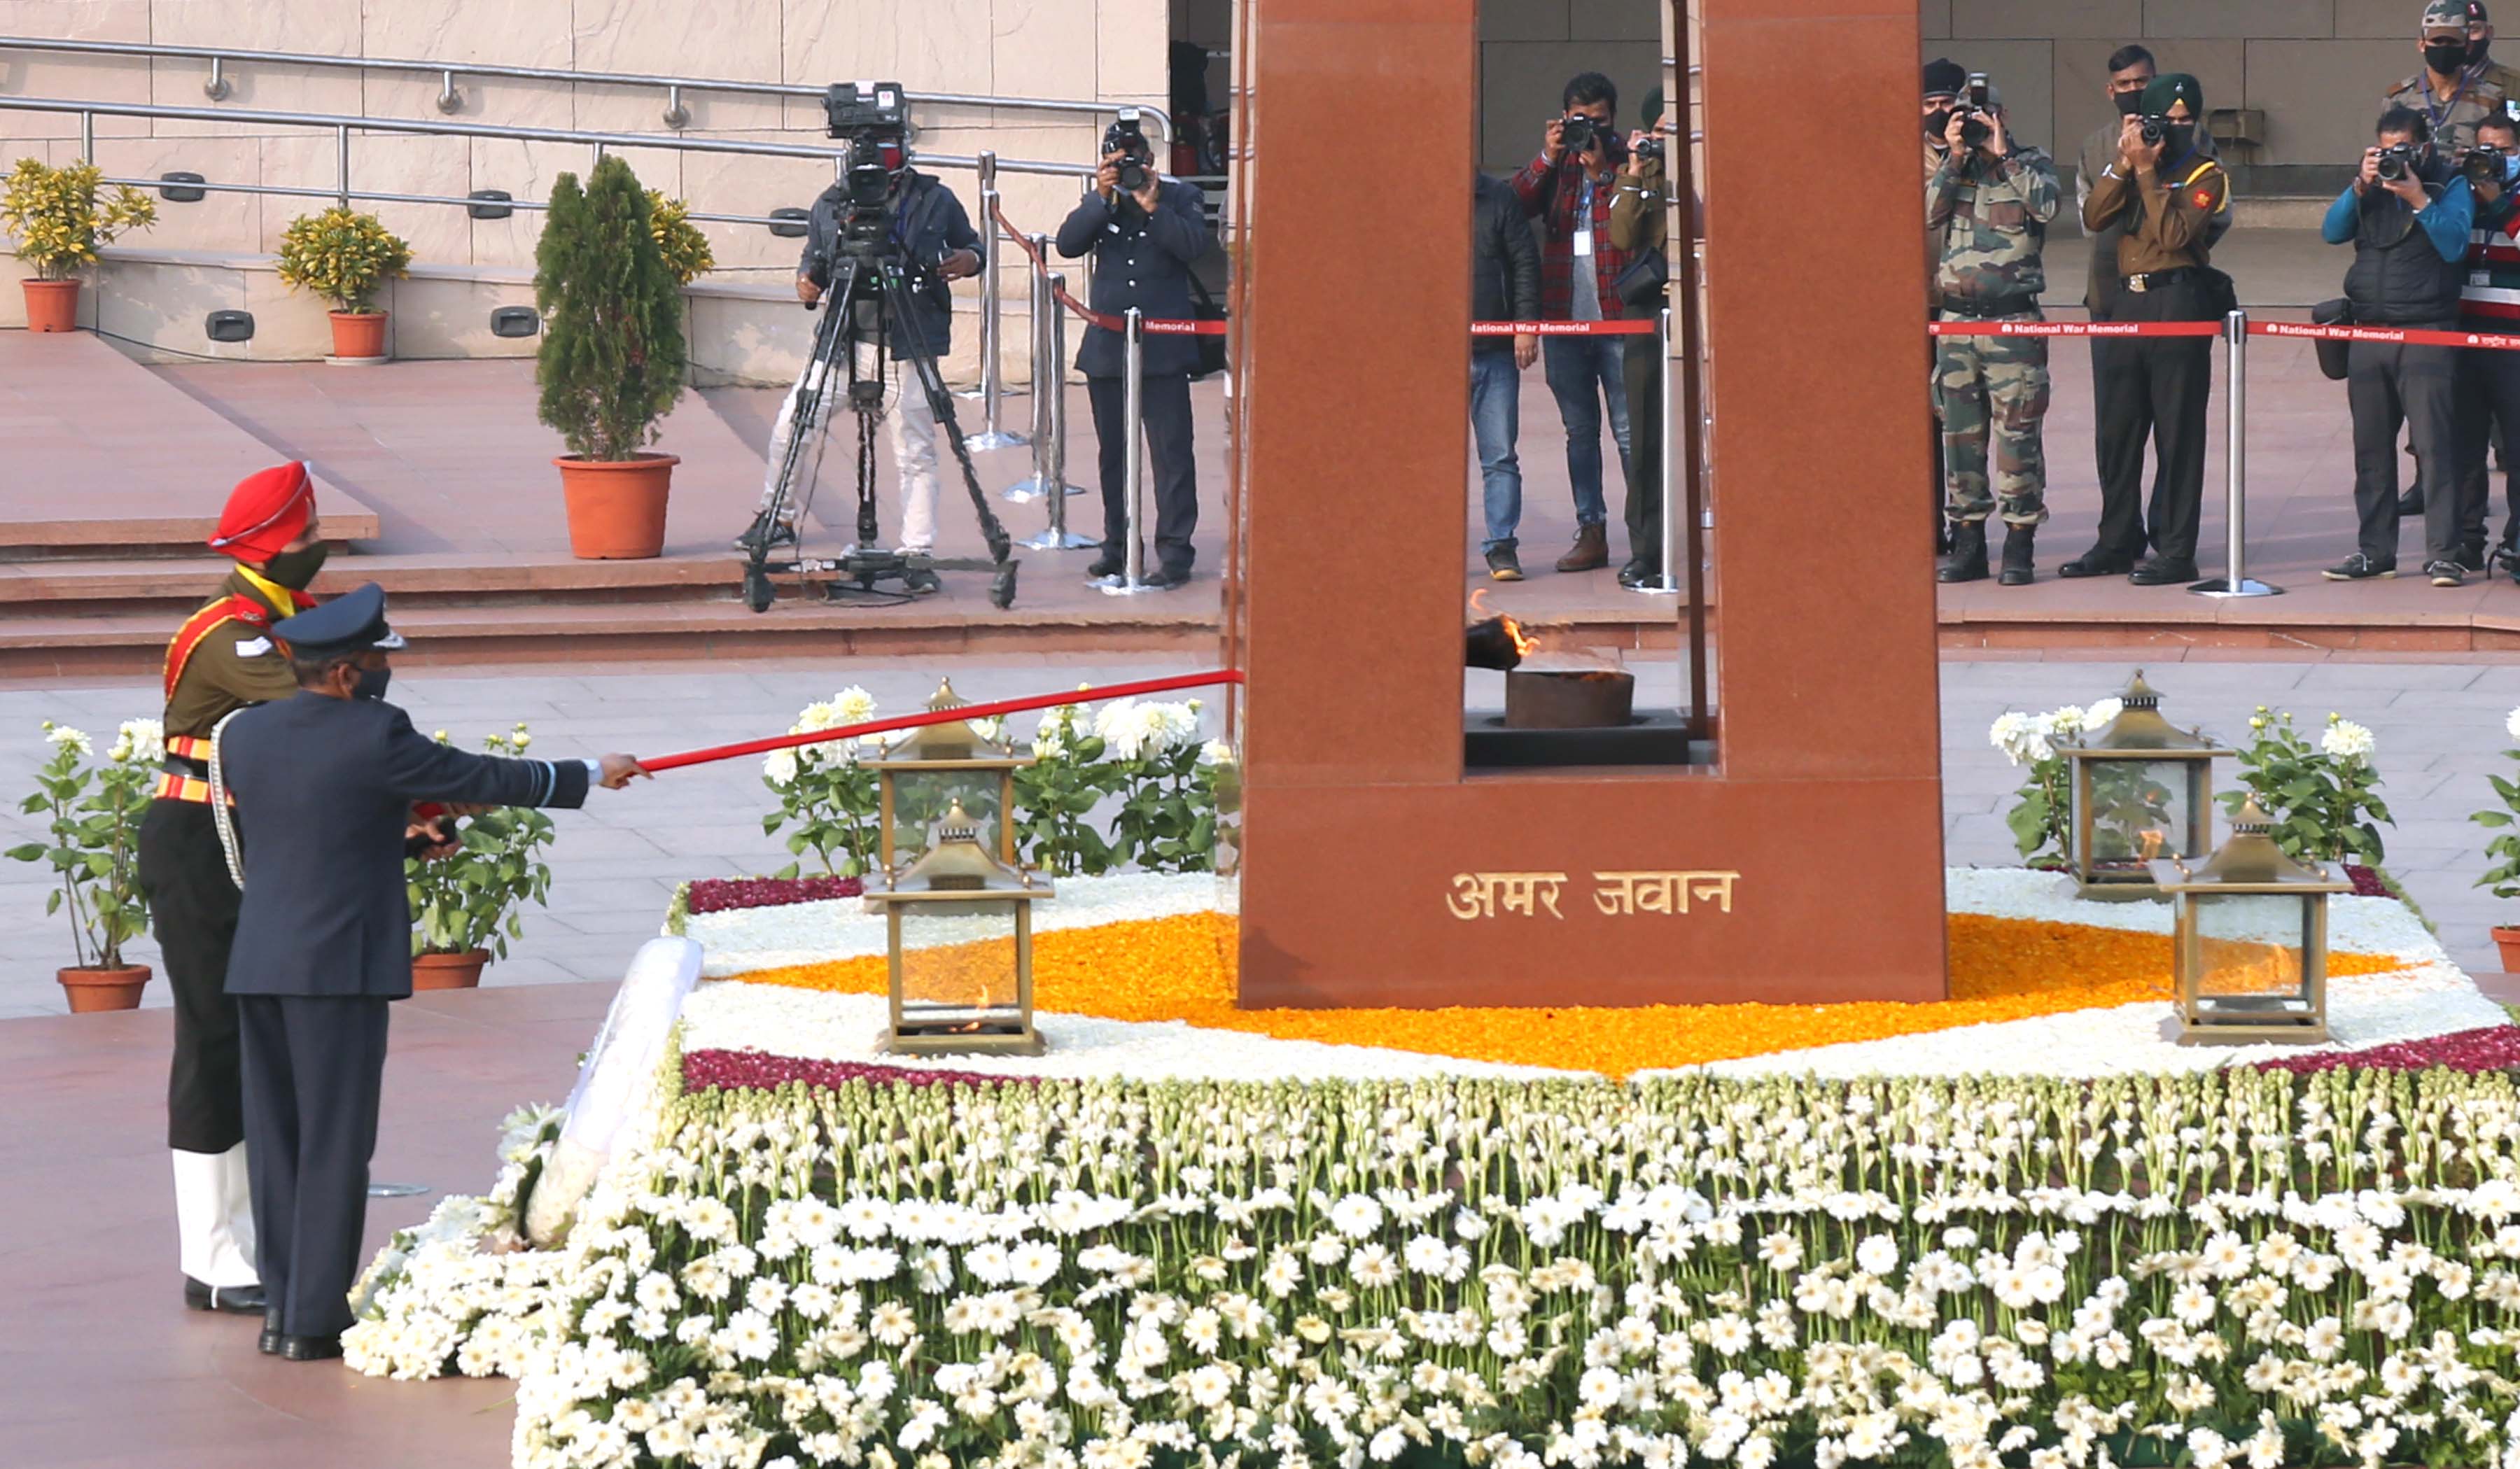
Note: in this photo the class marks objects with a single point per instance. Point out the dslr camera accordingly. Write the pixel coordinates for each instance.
(1974, 130)
(1128, 138)
(868, 116)
(2152, 129)
(2397, 161)
(1576, 130)
(2481, 165)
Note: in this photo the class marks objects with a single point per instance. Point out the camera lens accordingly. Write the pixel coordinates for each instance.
(2151, 130)
(1578, 133)
(2392, 166)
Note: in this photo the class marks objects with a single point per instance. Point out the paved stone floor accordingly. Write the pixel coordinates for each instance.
(2440, 727)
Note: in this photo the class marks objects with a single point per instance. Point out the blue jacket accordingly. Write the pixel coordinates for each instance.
(929, 226)
(1139, 261)
(323, 788)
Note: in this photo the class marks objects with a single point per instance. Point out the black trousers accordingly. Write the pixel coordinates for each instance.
(1171, 474)
(2487, 410)
(2151, 392)
(193, 908)
(2389, 384)
(314, 1065)
(1645, 451)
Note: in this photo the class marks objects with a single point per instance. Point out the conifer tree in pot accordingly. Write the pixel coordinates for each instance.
(611, 361)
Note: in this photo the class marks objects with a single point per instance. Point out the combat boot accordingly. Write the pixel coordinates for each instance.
(2018, 571)
(1967, 561)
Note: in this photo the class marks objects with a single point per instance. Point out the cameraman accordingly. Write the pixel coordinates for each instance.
(2488, 379)
(2407, 215)
(1142, 241)
(1568, 187)
(929, 230)
(1640, 224)
(1994, 199)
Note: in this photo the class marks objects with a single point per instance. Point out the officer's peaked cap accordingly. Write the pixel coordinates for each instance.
(350, 623)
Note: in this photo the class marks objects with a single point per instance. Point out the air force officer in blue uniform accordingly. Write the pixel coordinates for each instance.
(324, 784)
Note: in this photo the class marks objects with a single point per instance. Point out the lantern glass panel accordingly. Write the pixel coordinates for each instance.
(921, 796)
(2139, 810)
(957, 965)
(2249, 952)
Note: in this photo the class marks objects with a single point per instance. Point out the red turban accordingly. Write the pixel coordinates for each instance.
(265, 511)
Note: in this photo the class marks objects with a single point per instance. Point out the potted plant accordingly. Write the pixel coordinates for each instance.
(2505, 851)
(346, 256)
(94, 812)
(611, 360)
(464, 906)
(685, 249)
(60, 225)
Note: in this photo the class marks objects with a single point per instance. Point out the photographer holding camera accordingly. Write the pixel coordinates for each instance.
(1567, 187)
(930, 230)
(2169, 195)
(2486, 379)
(2407, 215)
(1993, 200)
(1640, 224)
(1144, 230)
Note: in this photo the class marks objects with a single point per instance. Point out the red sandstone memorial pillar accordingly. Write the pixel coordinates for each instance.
(1374, 869)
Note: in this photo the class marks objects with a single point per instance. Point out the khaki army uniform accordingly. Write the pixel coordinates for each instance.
(1992, 391)
(2479, 93)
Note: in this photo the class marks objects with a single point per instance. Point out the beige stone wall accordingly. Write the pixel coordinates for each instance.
(2315, 68)
(1528, 48)
(1104, 49)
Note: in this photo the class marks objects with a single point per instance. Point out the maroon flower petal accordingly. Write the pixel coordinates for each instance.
(2366, 882)
(710, 894)
(754, 1070)
(2492, 1047)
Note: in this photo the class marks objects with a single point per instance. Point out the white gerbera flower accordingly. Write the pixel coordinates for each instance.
(140, 742)
(779, 767)
(852, 705)
(1216, 752)
(2344, 739)
(1356, 1216)
(68, 738)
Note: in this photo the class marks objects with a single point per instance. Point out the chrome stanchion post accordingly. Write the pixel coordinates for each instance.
(1045, 369)
(2235, 580)
(1668, 584)
(1049, 449)
(1133, 459)
(992, 389)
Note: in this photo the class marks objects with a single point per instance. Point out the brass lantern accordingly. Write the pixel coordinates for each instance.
(2141, 790)
(2250, 944)
(958, 932)
(935, 767)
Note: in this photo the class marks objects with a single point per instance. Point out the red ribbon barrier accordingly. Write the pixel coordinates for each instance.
(990, 710)
(2412, 336)
(2076, 329)
(1630, 327)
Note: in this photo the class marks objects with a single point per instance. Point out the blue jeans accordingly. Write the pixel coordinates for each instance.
(1496, 413)
(1584, 372)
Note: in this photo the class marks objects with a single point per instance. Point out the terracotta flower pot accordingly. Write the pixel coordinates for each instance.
(358, 336)
(448, 971)
(92, 990)
(51, 305)
(2508, 941)
(616, 512)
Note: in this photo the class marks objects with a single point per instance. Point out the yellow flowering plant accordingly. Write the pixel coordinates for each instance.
(342, 255)
(61, 219)
(685, 249)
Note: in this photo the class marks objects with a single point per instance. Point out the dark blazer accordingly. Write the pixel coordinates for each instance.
(1505, 261)
(929, 225)
(1139, 261)
(323, 788)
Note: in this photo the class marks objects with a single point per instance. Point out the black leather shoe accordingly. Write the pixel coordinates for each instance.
(765, 534)
(2412, 503)
(310, 1348)
(1165, 578)
(2159, 572)
(1640, 571)
(2095, 563)
(2471, 556)
(1967, 561)
(269, 1344)
(1108, 564)
(236, 1299)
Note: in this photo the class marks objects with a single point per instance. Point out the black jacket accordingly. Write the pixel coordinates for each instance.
(1139, 261)
(2397, 277)
(1505, 261)
(324, 787)
(929, 225)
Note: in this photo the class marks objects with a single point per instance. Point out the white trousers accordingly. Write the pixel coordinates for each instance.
(214, 1218)
(913, 424)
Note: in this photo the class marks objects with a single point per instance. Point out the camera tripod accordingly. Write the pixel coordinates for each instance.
(870, 287)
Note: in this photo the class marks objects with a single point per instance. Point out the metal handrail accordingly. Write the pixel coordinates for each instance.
(341, 124)
(676, 115)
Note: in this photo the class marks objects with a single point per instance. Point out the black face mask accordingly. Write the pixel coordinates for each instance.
(2476, 51)
(296, 570)
(1938, 123)
(2445, 58)
(2175, 140)
(371, 682)
(2129, 103)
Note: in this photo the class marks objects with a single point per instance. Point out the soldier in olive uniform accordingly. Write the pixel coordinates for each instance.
(1943, 81)
(1992, 199)
(221, 661)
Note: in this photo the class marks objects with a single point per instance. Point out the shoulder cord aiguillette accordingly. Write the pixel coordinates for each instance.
(219, 809)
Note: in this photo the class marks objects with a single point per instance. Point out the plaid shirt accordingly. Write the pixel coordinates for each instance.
(1549, 194)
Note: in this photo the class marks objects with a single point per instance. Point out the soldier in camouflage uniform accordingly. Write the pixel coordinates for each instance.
(2460, 85)
(1994, 200)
